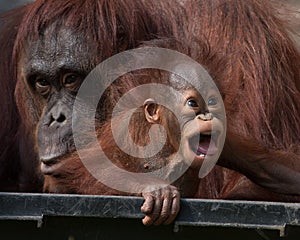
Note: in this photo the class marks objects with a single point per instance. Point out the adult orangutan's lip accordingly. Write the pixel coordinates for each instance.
(49, 165)
(49, 160)
(49, 169)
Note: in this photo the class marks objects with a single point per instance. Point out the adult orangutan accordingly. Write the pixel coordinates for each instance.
(56, 46)
(85, 31)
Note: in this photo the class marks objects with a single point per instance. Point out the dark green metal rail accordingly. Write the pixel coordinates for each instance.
(58, 216)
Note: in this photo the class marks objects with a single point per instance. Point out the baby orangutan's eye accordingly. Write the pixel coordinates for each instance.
(212, 101)
(192, 103)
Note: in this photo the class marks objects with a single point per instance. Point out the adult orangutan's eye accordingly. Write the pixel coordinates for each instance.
(42, 86)
(72, 80)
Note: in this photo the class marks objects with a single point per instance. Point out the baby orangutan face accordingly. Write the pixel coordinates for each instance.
(201, 128)
(199, 124)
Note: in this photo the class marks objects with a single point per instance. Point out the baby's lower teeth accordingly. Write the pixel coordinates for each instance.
(202, 155)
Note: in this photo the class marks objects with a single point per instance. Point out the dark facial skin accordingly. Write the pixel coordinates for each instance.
(53, 71)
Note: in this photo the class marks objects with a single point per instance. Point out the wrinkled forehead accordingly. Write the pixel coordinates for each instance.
(56, 44)
(57, 49)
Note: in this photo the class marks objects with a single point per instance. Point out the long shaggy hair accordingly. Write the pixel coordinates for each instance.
(260, 70)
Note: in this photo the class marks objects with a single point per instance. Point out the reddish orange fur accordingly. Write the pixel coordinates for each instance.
(110, 26)
(261, 70)
(243, 45)
(247, 49)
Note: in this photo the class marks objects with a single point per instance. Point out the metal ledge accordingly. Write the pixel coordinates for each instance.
(195, 214)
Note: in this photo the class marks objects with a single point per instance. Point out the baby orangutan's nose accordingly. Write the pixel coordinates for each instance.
(205, 116)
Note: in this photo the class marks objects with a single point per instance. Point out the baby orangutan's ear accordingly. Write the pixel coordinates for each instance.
(151, 110)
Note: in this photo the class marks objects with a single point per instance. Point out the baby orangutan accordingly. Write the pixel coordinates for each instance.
(165, 128)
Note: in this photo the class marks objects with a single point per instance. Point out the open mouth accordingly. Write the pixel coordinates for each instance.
(203, 145)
